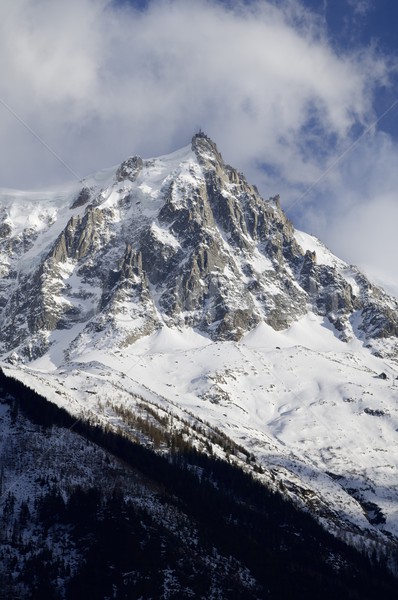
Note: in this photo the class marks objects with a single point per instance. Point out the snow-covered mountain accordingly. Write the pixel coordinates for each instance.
(169, 288)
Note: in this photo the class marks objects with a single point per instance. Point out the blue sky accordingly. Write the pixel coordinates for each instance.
(288, 90)
(359, 24)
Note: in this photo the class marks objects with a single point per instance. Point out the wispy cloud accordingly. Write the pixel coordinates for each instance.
(361, 7)
(358, 211)
(99, 81)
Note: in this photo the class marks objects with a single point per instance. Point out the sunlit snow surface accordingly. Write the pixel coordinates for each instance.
(310, 407)
(304, 402)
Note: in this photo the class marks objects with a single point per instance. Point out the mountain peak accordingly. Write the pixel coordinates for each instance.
(204, 250)
(206, 150)
(171, 281)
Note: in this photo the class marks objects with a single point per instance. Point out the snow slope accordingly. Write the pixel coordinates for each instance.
(310, 407)
(169, 281)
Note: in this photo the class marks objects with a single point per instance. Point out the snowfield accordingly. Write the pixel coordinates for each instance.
(311, 408)
(319, 414)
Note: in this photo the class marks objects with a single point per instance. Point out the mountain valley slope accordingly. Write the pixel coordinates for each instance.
(168, 286)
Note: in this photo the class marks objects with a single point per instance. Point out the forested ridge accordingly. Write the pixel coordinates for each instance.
(241, 538)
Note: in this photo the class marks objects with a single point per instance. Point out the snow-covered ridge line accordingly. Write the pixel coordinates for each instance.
(171, 279)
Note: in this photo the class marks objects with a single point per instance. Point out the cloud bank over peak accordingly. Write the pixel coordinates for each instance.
(99, 80)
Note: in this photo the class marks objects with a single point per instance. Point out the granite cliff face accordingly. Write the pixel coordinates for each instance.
(183, 240)
(167, 296)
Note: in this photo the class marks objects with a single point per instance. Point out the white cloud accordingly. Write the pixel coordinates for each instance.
(99, 81)
(356, 212)
(361, 7)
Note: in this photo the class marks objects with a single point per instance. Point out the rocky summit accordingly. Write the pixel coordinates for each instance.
(183, 241)
(166, 303)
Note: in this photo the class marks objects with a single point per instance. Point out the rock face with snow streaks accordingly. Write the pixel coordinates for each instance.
(171, 281)
(183, 240)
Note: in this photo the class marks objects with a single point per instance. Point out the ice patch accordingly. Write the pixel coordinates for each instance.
(323, 255)
(261, 263)
(165, 236)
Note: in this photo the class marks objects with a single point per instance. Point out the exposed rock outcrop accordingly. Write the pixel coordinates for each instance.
(185, 241)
